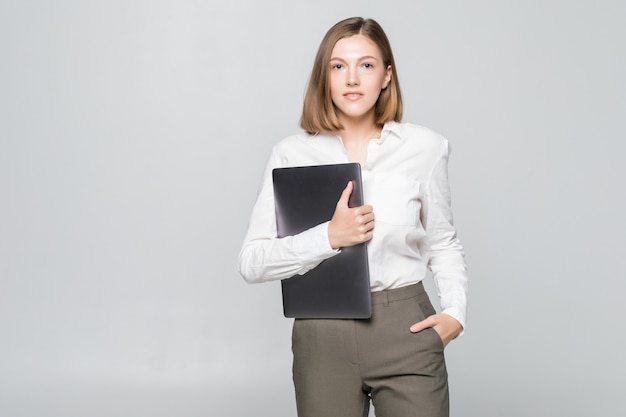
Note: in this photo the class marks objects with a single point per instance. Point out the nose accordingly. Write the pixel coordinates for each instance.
(353, 79)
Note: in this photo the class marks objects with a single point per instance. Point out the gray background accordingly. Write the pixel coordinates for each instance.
(132, 138)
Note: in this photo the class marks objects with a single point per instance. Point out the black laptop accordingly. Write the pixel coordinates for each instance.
(339, 287)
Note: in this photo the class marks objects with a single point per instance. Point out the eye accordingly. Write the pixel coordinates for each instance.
(336, 66)
(368, 65)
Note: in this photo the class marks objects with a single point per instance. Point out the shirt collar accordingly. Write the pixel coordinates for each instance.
(392, 128)
(389, 128)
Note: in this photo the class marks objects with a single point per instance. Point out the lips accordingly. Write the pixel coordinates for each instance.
(353, 95)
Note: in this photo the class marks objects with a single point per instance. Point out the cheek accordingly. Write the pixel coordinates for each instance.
(333, 81)
(376, 86)
(335, 87)
(382, 81)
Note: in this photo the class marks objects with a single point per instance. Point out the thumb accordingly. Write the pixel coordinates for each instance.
(345, 195)
(419, 326)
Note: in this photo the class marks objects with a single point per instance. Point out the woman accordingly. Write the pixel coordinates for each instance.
(352, 112)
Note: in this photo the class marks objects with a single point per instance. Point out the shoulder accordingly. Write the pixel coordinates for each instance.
(290, 144)
(290, 150)
(293, 141)
(419, 137)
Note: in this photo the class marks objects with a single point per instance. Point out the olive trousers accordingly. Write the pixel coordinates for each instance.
(340, 365)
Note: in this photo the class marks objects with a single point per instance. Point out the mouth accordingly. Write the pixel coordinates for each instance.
(353, 95)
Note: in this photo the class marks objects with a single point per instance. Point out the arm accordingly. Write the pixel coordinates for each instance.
(446, 255)
(264, 257)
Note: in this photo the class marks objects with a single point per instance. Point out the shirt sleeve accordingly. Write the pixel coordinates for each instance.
(264, 256)
(446, 259)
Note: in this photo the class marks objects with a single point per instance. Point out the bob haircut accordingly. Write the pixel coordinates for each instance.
(318, 111)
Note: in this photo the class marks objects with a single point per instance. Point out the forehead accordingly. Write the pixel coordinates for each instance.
(355, 46)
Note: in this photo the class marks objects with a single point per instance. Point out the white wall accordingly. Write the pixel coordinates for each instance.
(132, 137)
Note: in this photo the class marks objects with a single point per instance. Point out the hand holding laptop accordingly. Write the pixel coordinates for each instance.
(350, 225)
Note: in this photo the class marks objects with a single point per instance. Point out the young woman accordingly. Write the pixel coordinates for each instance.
(352, 112)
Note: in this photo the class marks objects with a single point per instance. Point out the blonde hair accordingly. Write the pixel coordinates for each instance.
(318, 110)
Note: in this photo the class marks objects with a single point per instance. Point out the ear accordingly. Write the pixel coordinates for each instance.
(387, 77)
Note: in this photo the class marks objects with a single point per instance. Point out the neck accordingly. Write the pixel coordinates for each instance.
(359, 130)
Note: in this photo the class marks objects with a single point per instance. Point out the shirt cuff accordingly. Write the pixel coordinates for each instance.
(312, 246)
(457, 314)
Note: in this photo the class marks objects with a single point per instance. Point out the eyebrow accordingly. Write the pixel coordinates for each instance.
(360, 59)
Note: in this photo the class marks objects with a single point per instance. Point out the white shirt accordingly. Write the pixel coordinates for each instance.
(405, 179)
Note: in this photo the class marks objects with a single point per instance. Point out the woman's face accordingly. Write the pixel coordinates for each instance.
(357, 76)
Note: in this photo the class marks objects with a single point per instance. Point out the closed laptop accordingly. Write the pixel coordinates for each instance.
(338, 287)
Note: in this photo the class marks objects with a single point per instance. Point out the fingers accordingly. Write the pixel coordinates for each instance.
(364, 210)
(345, 195)
(444, 325)
(366, 218)
(431, 322)
(350, 226)
(364, 223)
(365, 226)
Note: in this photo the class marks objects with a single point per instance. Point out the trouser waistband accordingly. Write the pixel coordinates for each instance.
(397, 294)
